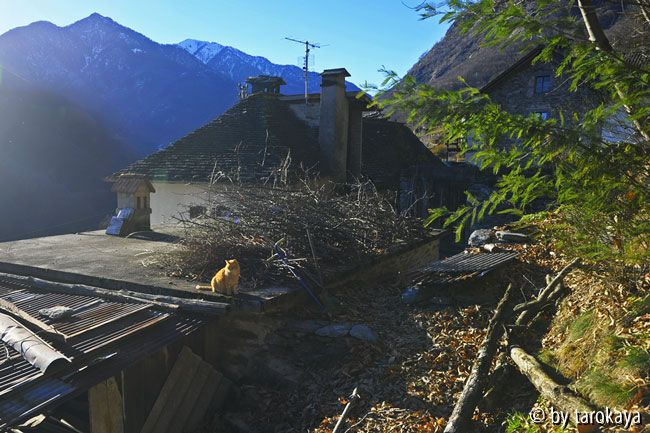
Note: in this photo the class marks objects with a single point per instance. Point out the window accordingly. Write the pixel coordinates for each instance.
(542, 84)
(542, 115)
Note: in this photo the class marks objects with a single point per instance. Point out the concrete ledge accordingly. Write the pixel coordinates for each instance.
(95, 259)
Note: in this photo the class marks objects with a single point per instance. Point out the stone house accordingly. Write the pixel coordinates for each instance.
(258, 137)
(533, 88)
(527, 87)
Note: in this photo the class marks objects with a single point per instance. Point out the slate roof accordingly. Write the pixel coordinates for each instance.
(389, 148)
(238, 138)
(254, 138)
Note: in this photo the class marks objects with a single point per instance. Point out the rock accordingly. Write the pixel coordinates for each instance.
(56, 313)
(480, 237)
(412, 295)
(492, 248)
(363, 333)
(505, 236)
(333, 331)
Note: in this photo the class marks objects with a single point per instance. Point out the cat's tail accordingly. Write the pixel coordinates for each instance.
(202, 287)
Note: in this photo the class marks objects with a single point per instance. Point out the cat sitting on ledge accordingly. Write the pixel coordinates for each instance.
(225, 281)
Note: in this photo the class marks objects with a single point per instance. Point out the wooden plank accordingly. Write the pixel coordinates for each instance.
(175, 400)
(173, 390)
(135, 330)
(203, 403)
(105, 403)
(161, 301)
(44, 329)
(181, 417)
(111, 320)
(141, 384)
(222, 392)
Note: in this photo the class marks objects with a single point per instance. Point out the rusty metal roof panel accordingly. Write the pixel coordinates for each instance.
(36, 396)
(464, 262)
(122, 331)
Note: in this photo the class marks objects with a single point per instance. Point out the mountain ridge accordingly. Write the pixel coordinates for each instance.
(239, 65)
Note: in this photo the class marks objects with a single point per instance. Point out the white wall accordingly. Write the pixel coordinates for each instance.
(171, 198)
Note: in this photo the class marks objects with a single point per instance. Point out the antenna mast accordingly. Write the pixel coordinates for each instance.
(308, 47)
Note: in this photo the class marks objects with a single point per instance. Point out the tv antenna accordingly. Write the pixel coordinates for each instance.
(308, 47)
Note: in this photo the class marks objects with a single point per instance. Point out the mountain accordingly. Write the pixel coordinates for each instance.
(54, 155)
(461, 54)
(81, 101)
(237, 65)
(148, 93)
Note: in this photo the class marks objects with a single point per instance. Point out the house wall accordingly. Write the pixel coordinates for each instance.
(172, 198)
(516, 93)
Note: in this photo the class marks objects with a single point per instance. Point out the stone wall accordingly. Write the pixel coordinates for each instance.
(238, 339)
(391, 265)
(516, 92)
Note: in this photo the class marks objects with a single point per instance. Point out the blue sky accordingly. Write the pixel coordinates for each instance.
(361, 35)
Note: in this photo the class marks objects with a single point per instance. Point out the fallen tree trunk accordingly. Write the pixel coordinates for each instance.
(473, 390)
(559, 395)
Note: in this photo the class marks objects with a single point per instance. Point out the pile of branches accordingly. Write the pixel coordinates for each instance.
(323, 227)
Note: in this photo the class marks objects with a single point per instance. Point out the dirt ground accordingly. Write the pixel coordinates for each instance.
(409, 379)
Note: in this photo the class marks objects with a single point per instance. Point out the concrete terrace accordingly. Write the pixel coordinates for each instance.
(96, 259)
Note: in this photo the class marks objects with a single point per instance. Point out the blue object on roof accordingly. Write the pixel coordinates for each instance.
(118, 222)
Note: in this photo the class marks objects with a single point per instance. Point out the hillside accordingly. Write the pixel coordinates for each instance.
(460, 54)
(53, 158)
(148, 92)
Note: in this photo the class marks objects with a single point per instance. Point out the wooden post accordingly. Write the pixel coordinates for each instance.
(105, 405)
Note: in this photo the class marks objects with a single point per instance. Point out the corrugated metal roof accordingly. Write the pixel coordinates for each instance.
(463, 262)
(103, 338)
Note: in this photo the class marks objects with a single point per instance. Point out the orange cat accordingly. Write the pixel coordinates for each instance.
(225, 281)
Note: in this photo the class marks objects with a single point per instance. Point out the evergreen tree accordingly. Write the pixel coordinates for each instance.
(596, 184)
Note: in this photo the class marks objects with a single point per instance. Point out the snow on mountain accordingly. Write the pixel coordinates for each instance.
(238, 65)
(204, 51)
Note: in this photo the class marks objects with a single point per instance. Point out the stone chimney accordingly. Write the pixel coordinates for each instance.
(334, 124)
(265, 84)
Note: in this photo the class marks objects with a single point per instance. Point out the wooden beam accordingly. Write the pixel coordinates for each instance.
(105, 406)
(161, 301)
(43, 328)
